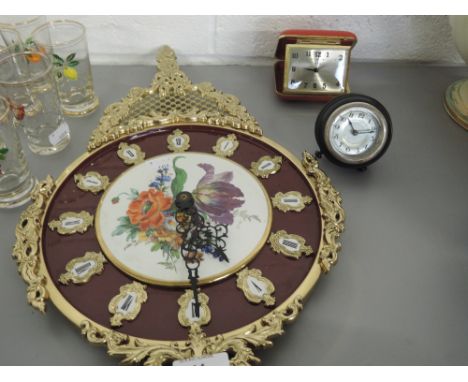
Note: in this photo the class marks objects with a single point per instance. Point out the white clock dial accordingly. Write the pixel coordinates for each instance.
(354, 131)
(316, 69)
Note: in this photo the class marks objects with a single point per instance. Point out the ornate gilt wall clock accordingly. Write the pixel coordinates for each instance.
(183, 231)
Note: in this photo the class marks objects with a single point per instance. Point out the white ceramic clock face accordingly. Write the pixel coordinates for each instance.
(316, 69)
(136, 226)
(354, 131)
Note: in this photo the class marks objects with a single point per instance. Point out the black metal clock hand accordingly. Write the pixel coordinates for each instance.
(198, 237)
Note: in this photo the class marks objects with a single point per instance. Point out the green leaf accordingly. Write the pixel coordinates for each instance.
(58, 58)
(73, 63)
(3, 150)
(124, 220)
(131, 235)
(70, 57)
(134, 193)
(175, 254)
(156, 246)
(178, 183)
(58, 64)
(147, 206)
(119, 230)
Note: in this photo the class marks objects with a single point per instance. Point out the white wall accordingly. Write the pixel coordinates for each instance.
(252, 39)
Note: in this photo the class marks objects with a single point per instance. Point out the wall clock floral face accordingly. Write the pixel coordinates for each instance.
(157, 280)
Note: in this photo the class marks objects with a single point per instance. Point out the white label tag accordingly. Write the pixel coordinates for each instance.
(218, 359)
(60, 133)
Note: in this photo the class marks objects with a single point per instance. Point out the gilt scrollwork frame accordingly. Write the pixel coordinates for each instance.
(233, 116)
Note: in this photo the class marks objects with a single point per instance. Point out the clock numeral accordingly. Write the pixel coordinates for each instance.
(178, 141)
(361, 115)
(291, 201)
(305, 84)
(289, 245)
(338, 83)
(336, 136)
(256, 288)
(324, 86)
(308, 53)
(340, 57)
(293, 69)
(130, 154)
(314, 85)
(318, 54)
(127, 304)
(295, 55)
(80, 269)
(351, 115)
(347, 149)
(328, 54)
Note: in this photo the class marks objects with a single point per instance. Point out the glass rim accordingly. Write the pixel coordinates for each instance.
(4, 115)
(23, 23)
(8, 28)
(50, 23)
(31, 78)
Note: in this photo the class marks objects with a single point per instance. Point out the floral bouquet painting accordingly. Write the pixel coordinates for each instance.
(149, 217)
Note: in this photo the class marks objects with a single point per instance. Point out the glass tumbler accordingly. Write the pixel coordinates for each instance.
(23, 25)
(65, 43)
(27, 81)
(10, 41)
(16, 181)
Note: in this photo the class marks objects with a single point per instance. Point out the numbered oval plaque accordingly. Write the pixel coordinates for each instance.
(178, 141)
(81, 269)
(256, 287)
(130, 154)
(92, 181)
(290, 201)
(186, 313)
(226, 146)
(266, 166)
(69, 223)
(127, 304)
(289, 244)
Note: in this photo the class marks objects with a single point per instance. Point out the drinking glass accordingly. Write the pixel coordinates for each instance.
(27, 81)
(10, 41)
(23, 25)
(16, 181)
(65, 43)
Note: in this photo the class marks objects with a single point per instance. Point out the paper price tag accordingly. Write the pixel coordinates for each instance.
(60, 133)
(218, 359)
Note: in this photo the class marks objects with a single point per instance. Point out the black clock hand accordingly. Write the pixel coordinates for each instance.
(354, 131)
(312, 69)
(198, 236)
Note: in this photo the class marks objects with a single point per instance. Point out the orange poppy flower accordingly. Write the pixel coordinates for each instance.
(147, 209)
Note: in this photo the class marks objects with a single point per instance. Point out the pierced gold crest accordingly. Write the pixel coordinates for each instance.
(226, 146)
(178, 141)
(256, 287)
(289, 244)
(186, 313)
(266, 166)
(130, 154)
(290, 201)
(69, 223)
(92, 181)
(127, 304)
(81, 269)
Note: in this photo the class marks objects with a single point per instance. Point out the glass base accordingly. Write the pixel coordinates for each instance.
(456, 102)
(81, 109)
(49, 150)
(18, 197)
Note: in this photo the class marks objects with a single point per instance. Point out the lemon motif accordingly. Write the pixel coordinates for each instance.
(70, 73)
